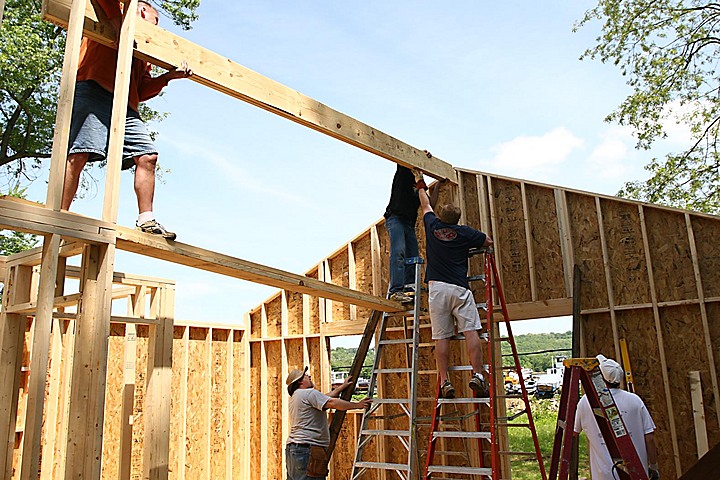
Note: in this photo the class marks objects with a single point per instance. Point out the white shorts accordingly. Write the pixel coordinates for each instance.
(449, 304)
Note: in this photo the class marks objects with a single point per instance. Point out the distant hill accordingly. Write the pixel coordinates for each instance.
(341, 358)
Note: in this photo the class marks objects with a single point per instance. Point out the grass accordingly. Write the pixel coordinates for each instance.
(545, 418)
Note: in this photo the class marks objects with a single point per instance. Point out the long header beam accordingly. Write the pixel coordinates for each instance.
(166, 49)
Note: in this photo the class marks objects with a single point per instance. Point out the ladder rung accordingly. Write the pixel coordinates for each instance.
(474, 278)
(383, 466)
(393, 370)
(462, 470)
(391, 433)
(526, 425)
(395, 342)
(390, 400)
(463, 400)
(501, 339)
(452, 434)
(512, 395)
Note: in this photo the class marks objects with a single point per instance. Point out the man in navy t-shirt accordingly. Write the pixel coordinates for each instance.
(450, 298)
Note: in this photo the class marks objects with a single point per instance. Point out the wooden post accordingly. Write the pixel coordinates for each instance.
(156, 443)
(698, 410)
(12, 334)
(87, 397)
(136, 308)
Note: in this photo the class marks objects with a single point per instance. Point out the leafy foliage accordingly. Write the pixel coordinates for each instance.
(669, 51)
(341, 359)
(30, 68)
(15, 242)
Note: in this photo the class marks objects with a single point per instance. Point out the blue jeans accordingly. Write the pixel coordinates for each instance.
(403, 244)
(296, 461)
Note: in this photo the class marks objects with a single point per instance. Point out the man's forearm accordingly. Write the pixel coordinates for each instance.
(651, 448)
(340, 404)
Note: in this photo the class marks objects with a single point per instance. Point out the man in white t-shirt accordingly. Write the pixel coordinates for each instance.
(309, 433)
(637, 421)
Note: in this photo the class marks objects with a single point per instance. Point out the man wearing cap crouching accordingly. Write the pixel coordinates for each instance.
(309, 433)
(637, 421)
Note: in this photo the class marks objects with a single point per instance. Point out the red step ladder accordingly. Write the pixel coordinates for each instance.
(478, 468)
(607, 415)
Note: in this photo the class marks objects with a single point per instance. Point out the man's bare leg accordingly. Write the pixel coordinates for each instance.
(73, 171)
(474, 347)
(442, 354)
(145, 181)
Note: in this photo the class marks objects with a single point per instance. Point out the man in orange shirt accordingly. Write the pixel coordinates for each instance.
(92, 109)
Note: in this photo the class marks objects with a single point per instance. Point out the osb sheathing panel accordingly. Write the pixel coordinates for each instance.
(545, 237)
(256, 324)
(273, 310)
(511, 243)
(313, 346)
(340, 275)
(274, 405)
(139, 400)
(344, 454)
(626, 252)
(295, 312)
(587, 249)
(198, 407)
(219, 427)
(670, 252)
(314, 308)
(384, 240)
(713, 312)
(476, 265)
(239, 407)
(684, 342)
(294, 352)
(113, 401)
(255, 399)
(177, 403)
(362, 250)
(707, 241)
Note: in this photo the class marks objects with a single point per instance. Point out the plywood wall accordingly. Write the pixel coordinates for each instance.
(650, 276)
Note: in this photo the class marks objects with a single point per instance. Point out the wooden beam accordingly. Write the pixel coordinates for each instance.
(698, 410)
(608, 277)
(39, 220)
(134, 241)
(33, 256)
(39, 361)
(167, 50)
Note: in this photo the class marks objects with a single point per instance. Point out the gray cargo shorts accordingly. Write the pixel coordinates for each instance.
(449, 304)
(90, 126)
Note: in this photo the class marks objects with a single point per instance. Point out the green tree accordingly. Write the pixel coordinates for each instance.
(668, 50)
(30, 68)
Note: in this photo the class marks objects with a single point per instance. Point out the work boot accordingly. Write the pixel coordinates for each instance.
(479, 386)
(154, 227)
(447, 390)
(401, 297)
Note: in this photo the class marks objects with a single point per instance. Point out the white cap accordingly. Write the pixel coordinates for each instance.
(611, 370)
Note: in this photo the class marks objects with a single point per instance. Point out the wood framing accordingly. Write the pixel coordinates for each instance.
(208, 401)
(165, 49)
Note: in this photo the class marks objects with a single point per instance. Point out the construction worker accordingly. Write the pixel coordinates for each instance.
(92, 109)
(636, 418)
(449, 298)
(400, 216)
(309, 433)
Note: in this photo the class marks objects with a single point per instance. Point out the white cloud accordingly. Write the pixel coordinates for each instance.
(533, 156)
(612, 158)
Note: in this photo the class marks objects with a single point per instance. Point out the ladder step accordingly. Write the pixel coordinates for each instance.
(500, 424)
(383, 466)
(395, 342)
(529, 454)
(474, 278)
(463, 400)
(462, 470)
(393, 370)
(453, 434)
(462, 368)
(501, 339)
(391, 433)
(391, 400)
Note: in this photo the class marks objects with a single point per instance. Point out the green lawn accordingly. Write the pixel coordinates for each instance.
(545, 418)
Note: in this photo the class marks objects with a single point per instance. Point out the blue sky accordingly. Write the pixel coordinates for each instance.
(492, 86)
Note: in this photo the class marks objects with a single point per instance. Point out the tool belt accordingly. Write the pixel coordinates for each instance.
(318, 464)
